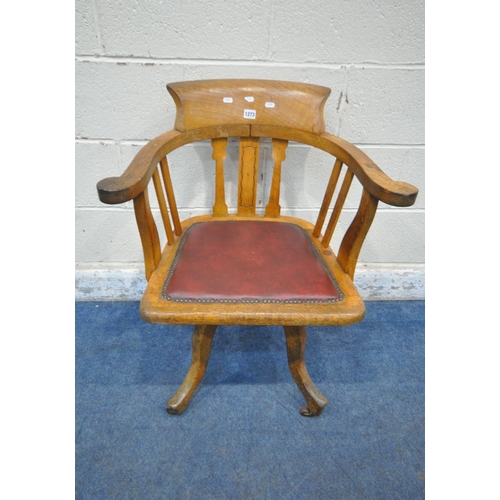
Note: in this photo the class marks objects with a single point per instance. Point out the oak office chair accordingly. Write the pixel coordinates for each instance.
(244, 268)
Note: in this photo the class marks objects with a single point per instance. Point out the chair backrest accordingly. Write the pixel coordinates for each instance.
(249, 102)
(250, 110)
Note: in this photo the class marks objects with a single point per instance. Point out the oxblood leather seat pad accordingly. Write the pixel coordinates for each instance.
(248, 261)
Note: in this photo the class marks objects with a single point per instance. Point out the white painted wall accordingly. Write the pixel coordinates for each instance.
(371, 54)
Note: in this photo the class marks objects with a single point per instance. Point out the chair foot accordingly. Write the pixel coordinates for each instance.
(296, 344)
(201, 347)
(306, 412)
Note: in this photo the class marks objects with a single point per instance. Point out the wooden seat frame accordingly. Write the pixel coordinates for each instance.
(250, 110)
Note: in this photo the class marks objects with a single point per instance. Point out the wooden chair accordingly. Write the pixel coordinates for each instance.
(244, 268)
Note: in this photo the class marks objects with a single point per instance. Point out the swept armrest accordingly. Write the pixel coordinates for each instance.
(374, 180)
(380, 185)
(134, 180)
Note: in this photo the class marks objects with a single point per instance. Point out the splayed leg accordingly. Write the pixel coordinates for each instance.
(202, 345)
(296, 344)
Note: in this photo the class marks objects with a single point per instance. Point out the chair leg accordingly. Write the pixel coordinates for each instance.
(296, 345)
(202, 345)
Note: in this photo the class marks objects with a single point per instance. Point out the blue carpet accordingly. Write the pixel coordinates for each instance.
(242, 436)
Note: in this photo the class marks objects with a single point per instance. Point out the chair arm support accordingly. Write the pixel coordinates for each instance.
(373, 179)
(351, 244)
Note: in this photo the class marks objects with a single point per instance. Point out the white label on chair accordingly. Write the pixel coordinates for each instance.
(250, 113)
(269, 105)
(249, 99)
(227, 99)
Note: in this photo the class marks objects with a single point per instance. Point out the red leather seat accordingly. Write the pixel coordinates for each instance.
(249, 261)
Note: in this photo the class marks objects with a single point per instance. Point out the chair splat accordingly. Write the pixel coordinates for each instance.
(219, 155)
(248, 175)
(337, 209)
(330, 189)
(273, 208)
(163, 207)
(165, 172)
